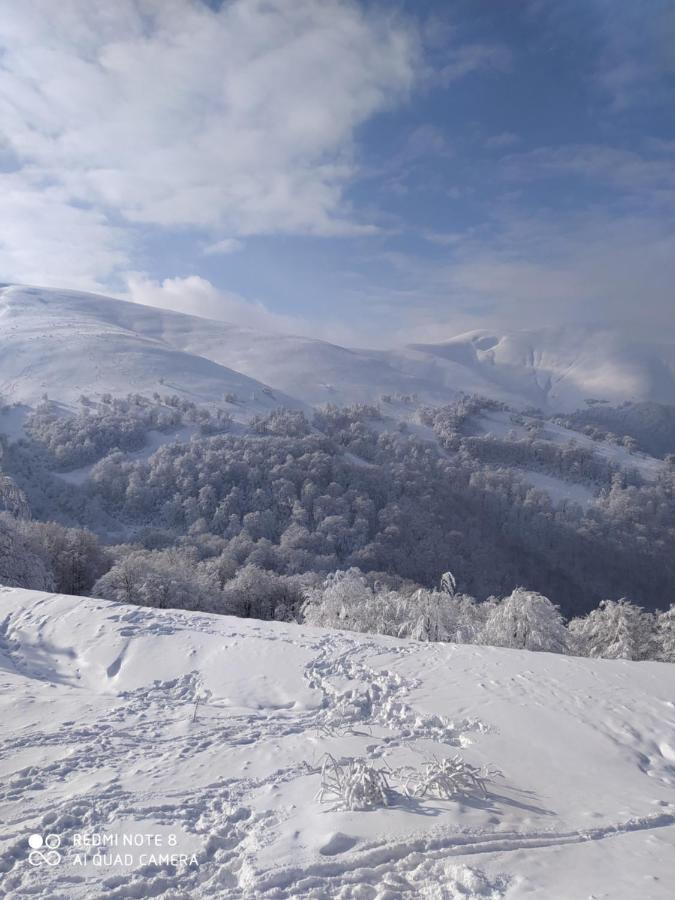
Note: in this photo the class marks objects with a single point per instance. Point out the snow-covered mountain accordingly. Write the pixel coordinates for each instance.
(66, 343)
(156, 725)
(560, 368)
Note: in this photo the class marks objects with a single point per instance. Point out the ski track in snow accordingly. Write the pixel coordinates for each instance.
(113, 754)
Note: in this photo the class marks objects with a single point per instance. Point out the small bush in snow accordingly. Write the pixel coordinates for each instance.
(447, 778)
(354, 785)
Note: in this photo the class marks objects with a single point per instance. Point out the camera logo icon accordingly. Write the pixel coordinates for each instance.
(44, 850)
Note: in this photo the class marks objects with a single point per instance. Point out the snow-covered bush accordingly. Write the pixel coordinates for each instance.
(255, 592)
(165, 580)
(73, 555)
(617, 629)
(526, 620)
(352, 785)
(665, 635)
(447, 778)
(12, 499)
(347, 600)
(22, 563)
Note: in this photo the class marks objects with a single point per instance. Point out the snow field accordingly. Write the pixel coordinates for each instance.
(125, 720)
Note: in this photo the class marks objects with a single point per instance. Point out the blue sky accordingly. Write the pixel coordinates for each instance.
(366, 172)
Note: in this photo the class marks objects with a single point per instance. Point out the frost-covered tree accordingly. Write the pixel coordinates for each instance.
(260, 594)
(351, 491)
(165, 580)
(12, 499)
(665, 635)
(427, 616)
(22, 563)
(617, 629)
(347, 599)
(123, 581)
(526, 620)
(74, 555)
(448, 583)
(344, 600)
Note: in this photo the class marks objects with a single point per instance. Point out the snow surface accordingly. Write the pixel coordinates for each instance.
(560, 368)
(75, 342)
(499, 423)
(65, 344)
(558, 489)
(648, 466)
(101, 735)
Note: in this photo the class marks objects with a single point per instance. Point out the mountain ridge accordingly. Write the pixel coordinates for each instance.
(558, 369)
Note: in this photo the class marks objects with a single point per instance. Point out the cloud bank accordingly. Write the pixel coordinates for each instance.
(238, 120)
(199, 297)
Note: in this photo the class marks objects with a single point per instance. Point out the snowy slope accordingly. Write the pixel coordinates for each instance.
(65, 342)
(560, 368)
(100, 736)
(500, 424)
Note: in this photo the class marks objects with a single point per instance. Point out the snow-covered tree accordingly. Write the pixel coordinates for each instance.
(617, 629)
(665, 635)
(165, 580)
(12, 499)
(22, 563)
(449, 583)
(74, 555)
(257, 593)
(345, 600)
(123, 582)
(428, 616)
(528, 621)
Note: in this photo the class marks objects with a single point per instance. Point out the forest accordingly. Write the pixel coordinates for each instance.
(255, 519)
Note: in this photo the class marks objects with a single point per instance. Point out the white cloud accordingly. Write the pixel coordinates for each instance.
(46, 240)
(199, 297)
(445, 238)
(171, 113)
(463, 60)
(539, 270)
(224, 247)
(646, 173)
(590, 266)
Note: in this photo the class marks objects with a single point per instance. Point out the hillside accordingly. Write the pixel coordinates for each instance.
(66, 344)
(559, 369)
(171, 442)
(101, 736)
(46, 335)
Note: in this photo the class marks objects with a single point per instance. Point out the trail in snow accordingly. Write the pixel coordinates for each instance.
(117, 720)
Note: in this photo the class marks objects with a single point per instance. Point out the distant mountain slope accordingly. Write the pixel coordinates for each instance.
(66, 343)
(561, 368)
(651, 425)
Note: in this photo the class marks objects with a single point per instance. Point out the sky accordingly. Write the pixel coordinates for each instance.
(365, 172)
